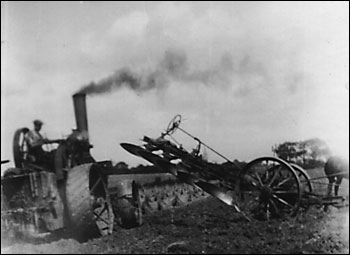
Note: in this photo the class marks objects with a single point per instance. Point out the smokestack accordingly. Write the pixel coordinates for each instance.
(81, 114)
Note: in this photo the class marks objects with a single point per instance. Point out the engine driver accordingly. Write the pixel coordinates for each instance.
(35, 141)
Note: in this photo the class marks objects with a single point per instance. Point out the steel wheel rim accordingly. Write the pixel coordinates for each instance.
(306, 185)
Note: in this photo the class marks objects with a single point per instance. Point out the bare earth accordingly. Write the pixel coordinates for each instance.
(208, 226)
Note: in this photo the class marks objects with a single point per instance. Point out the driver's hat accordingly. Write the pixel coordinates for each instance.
(38, 122)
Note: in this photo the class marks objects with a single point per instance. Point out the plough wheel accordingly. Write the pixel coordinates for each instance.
(88, 202)
(127, 206)
(269, 188)
(305, 185)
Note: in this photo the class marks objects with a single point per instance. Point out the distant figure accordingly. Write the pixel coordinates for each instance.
(336, 169)
(35, 141)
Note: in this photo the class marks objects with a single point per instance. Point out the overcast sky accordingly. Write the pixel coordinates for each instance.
(243, 75)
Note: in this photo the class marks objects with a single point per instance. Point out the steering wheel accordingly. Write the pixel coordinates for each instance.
(173, 124)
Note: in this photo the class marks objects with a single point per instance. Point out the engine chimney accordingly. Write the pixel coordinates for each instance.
(79, 101)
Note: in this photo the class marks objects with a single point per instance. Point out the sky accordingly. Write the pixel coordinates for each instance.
(243, 75)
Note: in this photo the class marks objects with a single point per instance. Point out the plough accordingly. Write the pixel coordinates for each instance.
(265, 188)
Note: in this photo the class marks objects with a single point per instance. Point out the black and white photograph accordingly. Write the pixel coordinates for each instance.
(174, 127)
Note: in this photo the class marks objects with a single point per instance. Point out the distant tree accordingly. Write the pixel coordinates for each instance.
(121, 165)
(139, 168)
(309, 153)
(290, 151)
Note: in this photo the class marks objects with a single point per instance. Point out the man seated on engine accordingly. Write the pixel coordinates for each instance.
(34, 142)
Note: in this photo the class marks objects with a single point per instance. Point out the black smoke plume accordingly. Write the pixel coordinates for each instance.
(173, 67)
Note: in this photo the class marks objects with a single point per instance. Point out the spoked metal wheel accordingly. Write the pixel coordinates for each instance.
(173, 124)
(305, 186)
(88, 201)
(128, 205)
(101, 205)
(269, 188)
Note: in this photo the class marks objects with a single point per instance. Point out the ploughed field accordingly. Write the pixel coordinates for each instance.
(206, 225)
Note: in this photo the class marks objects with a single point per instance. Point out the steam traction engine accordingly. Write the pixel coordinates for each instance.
(69, 191)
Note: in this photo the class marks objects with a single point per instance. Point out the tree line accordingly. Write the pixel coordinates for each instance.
(308, 154)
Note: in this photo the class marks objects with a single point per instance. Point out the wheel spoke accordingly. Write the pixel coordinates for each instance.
(95, 185)
(254, 184)
(266, 175)
(274, 177)
(284, 192)
(98, 217)
(103, 210)
(259, 179)
(284, 181)
(250, 179)
(282, 201)
(277, 211)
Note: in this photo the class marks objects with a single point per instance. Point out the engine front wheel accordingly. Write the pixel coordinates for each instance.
(88, 201)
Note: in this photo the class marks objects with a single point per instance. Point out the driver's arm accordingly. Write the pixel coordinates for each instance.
(52, 141)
